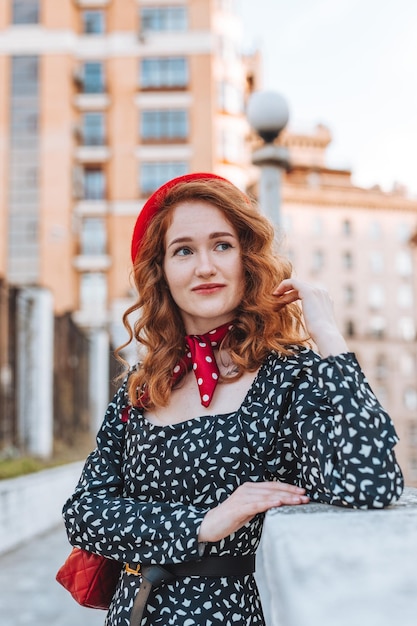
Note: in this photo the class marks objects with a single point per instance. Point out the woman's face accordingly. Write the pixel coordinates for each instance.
(203, 266)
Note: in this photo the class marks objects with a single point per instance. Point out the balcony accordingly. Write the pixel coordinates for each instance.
(93, 208)
(92, 101)
(92, 4)
(92, 154)
(91, 262)
(91, 318)
(90, 82)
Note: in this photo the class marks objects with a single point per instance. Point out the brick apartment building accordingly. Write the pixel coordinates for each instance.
(101, 101)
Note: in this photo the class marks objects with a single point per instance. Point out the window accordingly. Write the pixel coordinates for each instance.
(377, 327)
(25, 78)
(23, 186)
(404, 263)
(403, 232)
(381, 393)
(347, 228)
(408, 364)
(375, 230)
(94, 184)
(23, 232)
(412, 435)
(93, 238)
(347, 260)
(317, 226)
(381, 367)
(287, 223)
(153, 175)
(314, 180)
(93, 129)
(93, 79)
(93, 22)
(230, 98)
(410, 398)
(348, 294)
(25, 11)
(164, 72)
(24, 121)
(405, 296)
(317, 260)
(164, 19)
(165, 124)
(226, 48)
(406, 328)
(376, 261)
(376, 296)
(231, 146)
(412, 464)
(93, 291)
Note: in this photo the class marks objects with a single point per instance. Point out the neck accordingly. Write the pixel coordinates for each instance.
(203, 329)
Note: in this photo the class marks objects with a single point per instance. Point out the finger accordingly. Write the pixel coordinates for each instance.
(287, 297)
(248, 510)
(254, 501)
(284, 286)
(289, 284)
(279, 499)
(296, 502)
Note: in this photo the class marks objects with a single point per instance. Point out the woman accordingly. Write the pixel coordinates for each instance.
(229, 413)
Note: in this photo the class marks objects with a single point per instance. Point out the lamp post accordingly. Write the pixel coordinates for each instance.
(267, 113)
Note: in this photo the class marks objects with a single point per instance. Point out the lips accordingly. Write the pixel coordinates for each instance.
(208, 288)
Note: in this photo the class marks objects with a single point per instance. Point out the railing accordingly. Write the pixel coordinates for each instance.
(71, 380)
(20, 428)
(8, 351)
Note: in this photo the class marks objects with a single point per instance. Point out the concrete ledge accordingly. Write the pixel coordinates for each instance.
(321, 565)
(30, 505)
(317, 565)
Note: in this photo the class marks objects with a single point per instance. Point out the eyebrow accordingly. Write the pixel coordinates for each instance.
(211, 236)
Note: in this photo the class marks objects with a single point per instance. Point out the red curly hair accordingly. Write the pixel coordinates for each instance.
(259, 326)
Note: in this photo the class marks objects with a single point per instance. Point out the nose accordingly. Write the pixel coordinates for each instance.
(205, 265)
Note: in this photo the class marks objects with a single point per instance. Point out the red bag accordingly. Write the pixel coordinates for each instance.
(91, 579)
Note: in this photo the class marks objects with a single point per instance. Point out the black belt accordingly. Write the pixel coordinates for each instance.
(209, 566)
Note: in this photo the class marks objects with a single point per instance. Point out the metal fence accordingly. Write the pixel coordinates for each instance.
(71, 380)
(70, 376)
(8, 367)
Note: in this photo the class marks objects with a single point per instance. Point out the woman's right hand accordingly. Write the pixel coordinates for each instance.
(248, 500)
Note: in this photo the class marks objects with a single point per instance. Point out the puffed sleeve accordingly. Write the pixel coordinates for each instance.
(327, 432)
(99, 519)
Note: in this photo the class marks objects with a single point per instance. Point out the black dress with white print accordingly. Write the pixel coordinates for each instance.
(144, 491)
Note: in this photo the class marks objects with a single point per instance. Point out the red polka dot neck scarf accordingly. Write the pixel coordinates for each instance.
(200, 358)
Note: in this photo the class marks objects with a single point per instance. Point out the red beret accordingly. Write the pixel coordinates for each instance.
(153, 204)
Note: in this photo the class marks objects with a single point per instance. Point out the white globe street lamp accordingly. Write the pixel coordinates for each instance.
(267, 113)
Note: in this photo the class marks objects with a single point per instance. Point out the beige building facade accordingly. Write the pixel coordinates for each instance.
(358, 244)
(101, 101)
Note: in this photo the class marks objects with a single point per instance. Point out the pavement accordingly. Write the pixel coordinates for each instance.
(29, 593)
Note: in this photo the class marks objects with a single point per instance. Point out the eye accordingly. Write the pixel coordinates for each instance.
(223, 245)
(183, 251)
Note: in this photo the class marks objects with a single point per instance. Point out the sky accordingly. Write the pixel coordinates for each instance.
(352, 66)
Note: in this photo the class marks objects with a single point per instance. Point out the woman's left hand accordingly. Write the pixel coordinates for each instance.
(318, 314)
